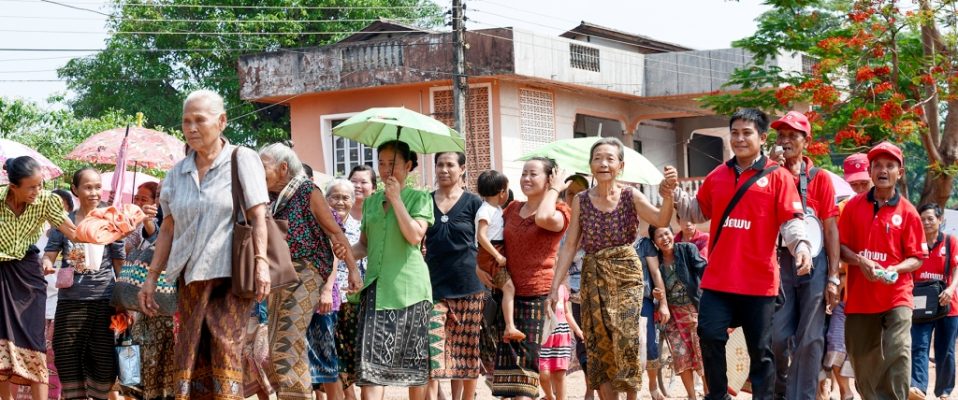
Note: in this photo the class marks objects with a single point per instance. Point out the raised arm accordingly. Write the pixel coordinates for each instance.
(648, 212)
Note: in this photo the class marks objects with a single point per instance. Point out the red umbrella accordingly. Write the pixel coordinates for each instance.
(146, 148)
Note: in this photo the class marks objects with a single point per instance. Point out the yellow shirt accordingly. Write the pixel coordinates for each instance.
(18, 233)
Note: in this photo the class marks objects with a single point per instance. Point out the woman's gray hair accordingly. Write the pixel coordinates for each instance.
(280, 153)
(340, 182)
(213, 100)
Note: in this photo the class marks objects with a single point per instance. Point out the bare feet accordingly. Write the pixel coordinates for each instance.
(512, 334)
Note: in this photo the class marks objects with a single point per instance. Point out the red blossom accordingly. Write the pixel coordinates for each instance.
(860, 114)
(882, 87)
(864, 73)
(918, 110)
(858, 16)
(817, 149)
(786, 95)
(878, 51)
(927, 79)
(889, 111)
(826, 96)
(882, 70)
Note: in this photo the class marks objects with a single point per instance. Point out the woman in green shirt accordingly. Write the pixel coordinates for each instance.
(396, 299)
(23, 295)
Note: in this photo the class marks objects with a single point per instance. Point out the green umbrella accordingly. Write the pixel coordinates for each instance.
(423, 134)
(572, 155)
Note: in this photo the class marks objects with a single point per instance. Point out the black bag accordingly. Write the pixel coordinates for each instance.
(927, 307)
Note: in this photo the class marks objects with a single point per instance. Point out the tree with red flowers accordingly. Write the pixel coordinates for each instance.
(882, 71)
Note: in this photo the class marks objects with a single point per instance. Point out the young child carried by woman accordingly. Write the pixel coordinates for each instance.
(491, 263)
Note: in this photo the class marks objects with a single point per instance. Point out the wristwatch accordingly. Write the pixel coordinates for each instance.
(835, 280)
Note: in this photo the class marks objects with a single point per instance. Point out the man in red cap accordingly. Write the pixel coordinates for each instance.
(882, 241)
(836, 362)
(856, 172)
(798, 327)
(741, 283)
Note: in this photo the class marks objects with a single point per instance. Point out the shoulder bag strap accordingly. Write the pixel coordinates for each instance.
(947, 258)
(237, 187)
(735, 199)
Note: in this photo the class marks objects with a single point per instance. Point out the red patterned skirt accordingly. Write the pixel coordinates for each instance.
(454, 330)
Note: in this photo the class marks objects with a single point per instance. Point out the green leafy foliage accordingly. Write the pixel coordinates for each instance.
(54, 131)
(162, 50)
(881, 71)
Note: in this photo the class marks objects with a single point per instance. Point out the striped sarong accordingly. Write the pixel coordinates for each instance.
(84, 345)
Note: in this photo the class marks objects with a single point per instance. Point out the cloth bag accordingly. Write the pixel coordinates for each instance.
(65, 277)
(128, 360)
(281, 270)
(132, 276)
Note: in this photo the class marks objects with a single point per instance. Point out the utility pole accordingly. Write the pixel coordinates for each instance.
(459, 84)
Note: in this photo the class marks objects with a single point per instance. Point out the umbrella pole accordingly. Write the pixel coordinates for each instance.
(133, 194)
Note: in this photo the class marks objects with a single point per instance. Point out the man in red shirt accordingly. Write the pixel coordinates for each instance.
(798, 334)
(690, 233)
(741, 284)
(882, 242)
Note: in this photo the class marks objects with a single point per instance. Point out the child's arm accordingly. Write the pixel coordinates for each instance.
(482, 233)
(573, 325)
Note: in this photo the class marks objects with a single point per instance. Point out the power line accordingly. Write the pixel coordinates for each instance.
(243, 7)
(199, 33)
(215, 21)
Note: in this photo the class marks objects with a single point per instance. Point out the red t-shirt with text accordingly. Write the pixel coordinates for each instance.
(744, 259)
(933, 268)
(888, 237)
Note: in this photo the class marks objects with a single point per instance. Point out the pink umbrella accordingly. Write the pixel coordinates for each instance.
(128, 189)
(147, 148)
(11, 149)
(842, 188)
(119, 180)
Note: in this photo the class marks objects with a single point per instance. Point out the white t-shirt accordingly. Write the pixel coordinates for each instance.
(493, 216)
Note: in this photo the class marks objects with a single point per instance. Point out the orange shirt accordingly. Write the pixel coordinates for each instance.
(531, 251)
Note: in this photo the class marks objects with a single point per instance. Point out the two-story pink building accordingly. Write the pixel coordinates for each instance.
(525, 90)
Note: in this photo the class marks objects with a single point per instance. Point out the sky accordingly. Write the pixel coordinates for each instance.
(35, 24)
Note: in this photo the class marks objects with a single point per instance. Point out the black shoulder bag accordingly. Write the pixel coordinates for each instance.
(735, 199)
(927, 308)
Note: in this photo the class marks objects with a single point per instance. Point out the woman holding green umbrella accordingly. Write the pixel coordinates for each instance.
(396, 302)
(605, 221)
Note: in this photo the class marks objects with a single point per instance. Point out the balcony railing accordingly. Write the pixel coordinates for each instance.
(689, 185)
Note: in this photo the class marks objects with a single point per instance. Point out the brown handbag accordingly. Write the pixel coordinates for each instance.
(281, 270)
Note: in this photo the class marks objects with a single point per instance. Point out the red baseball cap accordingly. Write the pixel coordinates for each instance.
(794, 120)
(856, 168)
(886, 149)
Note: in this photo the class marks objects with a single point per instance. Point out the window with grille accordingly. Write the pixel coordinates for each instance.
(807, 63)
(348, 154)
(584, 57)
(536, 118)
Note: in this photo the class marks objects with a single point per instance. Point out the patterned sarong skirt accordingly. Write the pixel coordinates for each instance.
(611, 293)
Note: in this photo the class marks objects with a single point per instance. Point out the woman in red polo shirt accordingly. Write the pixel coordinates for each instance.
(936, 267)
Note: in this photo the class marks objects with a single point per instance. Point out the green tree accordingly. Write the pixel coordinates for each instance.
(883, 72)
(161, 50)
(54, 131)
